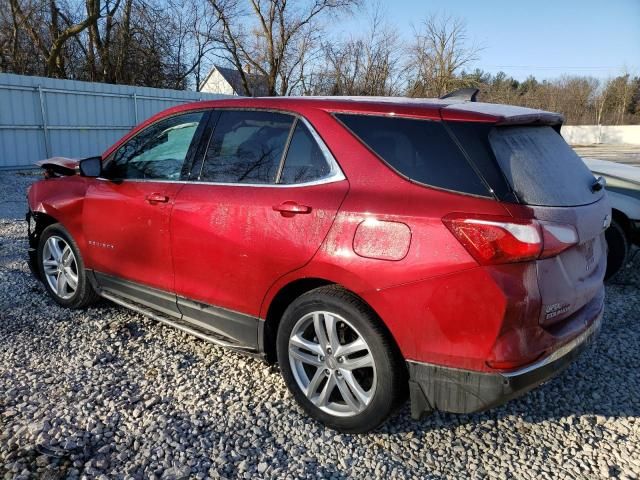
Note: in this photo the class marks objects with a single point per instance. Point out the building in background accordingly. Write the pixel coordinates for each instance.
(228, 81)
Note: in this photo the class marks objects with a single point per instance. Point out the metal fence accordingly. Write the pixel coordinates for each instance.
(45, 117)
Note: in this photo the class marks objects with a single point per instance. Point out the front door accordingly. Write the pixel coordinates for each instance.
(260, 207)
(126, 214)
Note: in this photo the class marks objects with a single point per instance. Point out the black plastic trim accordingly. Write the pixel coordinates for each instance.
(240, 327)
(230, 328)
(433, 387)
(151, 297)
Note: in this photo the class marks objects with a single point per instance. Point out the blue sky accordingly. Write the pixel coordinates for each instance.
(546, 38)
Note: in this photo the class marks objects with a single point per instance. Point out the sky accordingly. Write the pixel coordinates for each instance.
(544, 38)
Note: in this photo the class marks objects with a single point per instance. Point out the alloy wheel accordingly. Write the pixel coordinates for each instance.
(60, 267)
(332, 363)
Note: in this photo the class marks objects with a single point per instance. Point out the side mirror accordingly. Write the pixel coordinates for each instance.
(91, 167)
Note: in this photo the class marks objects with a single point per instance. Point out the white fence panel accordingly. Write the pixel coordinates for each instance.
(44, 117)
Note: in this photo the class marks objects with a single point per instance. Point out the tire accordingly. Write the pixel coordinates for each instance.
(62, 269)
(371, 370)
(618, 245)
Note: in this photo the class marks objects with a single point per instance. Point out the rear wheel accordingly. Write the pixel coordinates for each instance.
(62, 269)
(618, 245)
(338, 361)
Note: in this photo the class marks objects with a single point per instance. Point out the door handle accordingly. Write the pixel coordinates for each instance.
(154, 198)
(289, 209)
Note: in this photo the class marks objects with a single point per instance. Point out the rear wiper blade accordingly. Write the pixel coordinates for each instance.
(598, 184)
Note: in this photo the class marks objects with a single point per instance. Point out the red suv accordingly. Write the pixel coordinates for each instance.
(371, 247)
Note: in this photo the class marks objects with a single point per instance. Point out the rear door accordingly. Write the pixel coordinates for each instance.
(259, 206)
(549, 178)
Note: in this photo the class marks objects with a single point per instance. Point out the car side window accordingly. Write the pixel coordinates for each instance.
(421, 150)
(305, 161)
(246, 147)
(158, 152)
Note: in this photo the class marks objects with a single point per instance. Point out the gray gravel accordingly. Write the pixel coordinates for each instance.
(107, 393)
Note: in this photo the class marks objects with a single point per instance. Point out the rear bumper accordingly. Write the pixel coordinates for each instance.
(454, 390)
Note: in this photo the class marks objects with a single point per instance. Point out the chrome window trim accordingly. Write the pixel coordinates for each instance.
(334, 167)
(322, 181)
(335, 172)
(106, 161)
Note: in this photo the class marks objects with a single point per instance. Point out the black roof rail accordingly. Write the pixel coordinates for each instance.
(468, 94)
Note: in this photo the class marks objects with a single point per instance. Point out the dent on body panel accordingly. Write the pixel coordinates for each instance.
(438, 318)
(62, 199)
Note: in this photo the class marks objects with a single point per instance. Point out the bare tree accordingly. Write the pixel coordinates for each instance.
(440, 51)
(51, 41)
(272, 38)
(364, 65)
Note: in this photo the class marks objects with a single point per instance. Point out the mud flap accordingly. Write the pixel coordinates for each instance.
(434, 387)
(420, 406)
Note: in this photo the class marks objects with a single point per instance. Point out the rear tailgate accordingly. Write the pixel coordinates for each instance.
(570, 280)
(548, 181)
(552, 181)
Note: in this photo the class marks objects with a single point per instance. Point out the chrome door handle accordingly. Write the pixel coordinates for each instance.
(154, 198)
(289, 209)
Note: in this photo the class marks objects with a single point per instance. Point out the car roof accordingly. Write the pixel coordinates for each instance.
(420, 108)
(447, 109)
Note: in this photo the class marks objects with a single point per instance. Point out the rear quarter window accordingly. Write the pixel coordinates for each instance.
(420, 150)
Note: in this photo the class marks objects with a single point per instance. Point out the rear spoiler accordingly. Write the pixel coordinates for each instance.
(464, 94)
(500, 114)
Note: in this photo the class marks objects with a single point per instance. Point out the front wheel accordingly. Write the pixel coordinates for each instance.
(62, 269)
(338, 361)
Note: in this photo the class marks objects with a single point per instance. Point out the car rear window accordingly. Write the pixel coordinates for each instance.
(541, 168)
(421, 150)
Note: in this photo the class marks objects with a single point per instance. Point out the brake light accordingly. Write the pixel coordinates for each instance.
(494, 239)
(557, 238)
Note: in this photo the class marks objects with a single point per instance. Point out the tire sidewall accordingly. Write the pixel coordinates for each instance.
(618, 247)
(59, 231)
(383, 400)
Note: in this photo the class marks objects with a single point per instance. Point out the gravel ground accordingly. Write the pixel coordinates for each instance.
(107, 393)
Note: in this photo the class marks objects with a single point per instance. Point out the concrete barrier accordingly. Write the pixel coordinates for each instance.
(607, 134)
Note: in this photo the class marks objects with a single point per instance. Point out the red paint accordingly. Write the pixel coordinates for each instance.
(228, 252)
(128, 217)
(238, 246)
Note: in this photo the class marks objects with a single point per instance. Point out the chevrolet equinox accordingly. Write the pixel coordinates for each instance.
(375, 248)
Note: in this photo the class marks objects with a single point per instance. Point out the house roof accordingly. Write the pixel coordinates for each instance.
(257, 83)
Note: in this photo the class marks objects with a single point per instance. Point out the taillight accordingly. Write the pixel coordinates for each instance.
(495, 239)
(557, 238)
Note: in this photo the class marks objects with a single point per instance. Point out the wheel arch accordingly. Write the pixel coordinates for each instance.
(294, 289)
(41, 221)
(281, 300)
